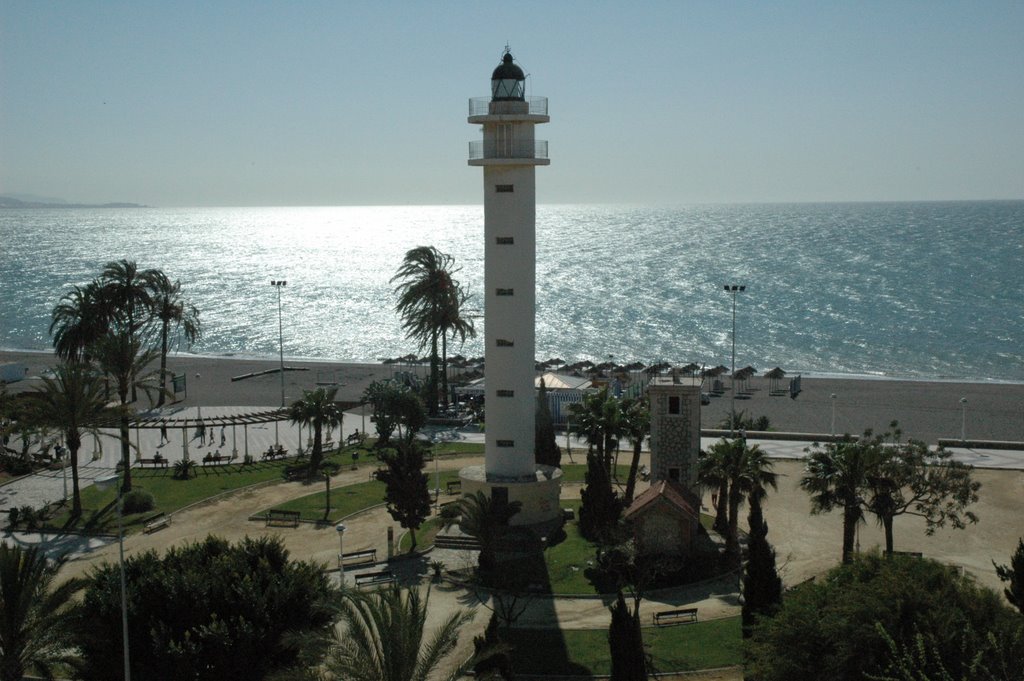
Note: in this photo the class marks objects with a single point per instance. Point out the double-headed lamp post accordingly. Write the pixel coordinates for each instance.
(105, 483)
(963, 419)
(733, 289)
(279, 284)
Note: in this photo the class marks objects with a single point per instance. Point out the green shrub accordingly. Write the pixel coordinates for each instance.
(183, 470)
(30, 517)
(138, 501)
(13, 517)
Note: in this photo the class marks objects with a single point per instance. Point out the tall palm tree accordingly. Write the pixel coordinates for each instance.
(425, 293)
(317, 410)
(598, 420)
(837, 475)
(126, 290)
(73, 401)
(637, 426)
(120, 357)
(456, 325)
(79, 320)
(384, 637)
(750, 474)
(175, 316)
(34, 616)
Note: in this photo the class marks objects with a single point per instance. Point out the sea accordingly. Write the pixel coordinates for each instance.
(929, 290)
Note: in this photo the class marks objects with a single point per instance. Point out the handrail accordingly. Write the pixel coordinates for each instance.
(481, 106)
(479, 149)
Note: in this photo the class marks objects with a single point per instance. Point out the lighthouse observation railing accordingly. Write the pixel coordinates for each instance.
(479, 149)
(480, 106)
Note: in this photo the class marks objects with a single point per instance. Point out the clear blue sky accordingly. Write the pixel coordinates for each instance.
(321, 103)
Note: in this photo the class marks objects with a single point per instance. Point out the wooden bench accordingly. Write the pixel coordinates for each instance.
(680, 616)
(277, 516)
(364, 557)
(912, 554)
(454, 486)
(355, 438)
(157, 522)
(272, 454)
(217, 460)
(155, 463)
(374, 578)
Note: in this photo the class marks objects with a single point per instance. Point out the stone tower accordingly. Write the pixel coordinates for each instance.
(675, 430)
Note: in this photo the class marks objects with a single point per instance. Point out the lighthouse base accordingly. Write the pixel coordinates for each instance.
(539, 495)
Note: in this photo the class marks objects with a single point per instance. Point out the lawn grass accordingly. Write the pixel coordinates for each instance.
(704, 645)
(98, 512)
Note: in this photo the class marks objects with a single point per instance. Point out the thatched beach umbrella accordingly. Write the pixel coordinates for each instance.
(690, 368)
(774, 376)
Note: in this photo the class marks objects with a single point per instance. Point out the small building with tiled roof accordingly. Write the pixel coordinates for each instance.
(665, 518)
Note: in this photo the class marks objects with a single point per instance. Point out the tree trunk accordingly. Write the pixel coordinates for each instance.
(849, 532)
(444, 369)
(76, 494)
(887, 524)
(732, 539)
(318, 452)
(634, 466)
(721, 508)
(126, 456)
(432, 388)
(164, 332)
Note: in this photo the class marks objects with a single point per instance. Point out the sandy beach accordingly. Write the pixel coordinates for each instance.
(927, 410)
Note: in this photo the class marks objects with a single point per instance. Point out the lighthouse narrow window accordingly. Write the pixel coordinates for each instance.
(503, 292)
(506, 443)
(506, 393)
(503, 343)
(673, 405)
(504, 240)
(503, 140)
(504, 188)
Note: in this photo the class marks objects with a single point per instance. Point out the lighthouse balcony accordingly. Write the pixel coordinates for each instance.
(509, 152)
(528, 106)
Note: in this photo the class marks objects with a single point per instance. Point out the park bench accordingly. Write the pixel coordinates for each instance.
(682, 615)
(912, 554)
(272, 453)
(154, 462)
(355, 438)
(364, 557)
(454, 486)
(568, 514)
(374, 578)
(156, 522)
(277, 516)
(217, 459)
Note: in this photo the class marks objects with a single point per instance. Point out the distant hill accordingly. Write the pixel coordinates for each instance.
(12, 202)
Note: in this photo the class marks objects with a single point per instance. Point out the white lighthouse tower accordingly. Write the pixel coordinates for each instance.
(509, 153)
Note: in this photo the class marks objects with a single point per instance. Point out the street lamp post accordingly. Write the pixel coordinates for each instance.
(104, 483)
(340, 527)
(963, 419)
(833, 413)
(733, 289)
(279, 284)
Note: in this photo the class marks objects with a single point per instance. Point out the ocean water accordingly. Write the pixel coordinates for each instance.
(921, 290)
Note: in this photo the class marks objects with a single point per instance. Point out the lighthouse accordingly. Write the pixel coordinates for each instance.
(509, 154)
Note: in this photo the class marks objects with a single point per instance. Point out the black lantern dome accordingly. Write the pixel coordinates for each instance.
(508, 82)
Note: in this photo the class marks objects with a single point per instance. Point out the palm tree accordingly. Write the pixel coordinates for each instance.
(316, 409)
(425, 297)
(175, 316)
(750, 473)
(35, 628)
(120, 358)
(637, 426)
(384, 637)
(485, 519)
(72, 400)
(78, 321)
(598, 420)
(126, 291)
(837, 476)
(713, 475)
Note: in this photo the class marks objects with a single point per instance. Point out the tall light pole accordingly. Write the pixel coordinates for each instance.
(963, 419)
(833, 413)
(733, 289)
(279, 284)
(104, 483)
